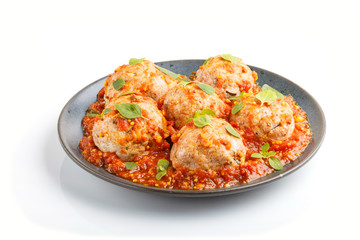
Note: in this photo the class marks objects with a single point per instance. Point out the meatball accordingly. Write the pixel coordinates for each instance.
(207, 148)
(182, 101)
(129, 137)
(231, 77)
(143, 78)
(273, 121)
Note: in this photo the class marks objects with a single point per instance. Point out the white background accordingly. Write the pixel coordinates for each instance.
(50, 50)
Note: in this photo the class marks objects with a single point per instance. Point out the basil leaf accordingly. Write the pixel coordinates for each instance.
(119, 83)
(275, 163)
(207, 61)
(207, 111)
(232, 131)
(184, 83)
(183, 79)
(168, 72)
(130, 165)
(257, 155)
(189, 120)
(129, 110)
(163, 165)
(267, 96)
(126, 93)
(266, 87)
(271, 154)
(206, 88)
(159, 175)
(134, 61)
(107, 110)
(237, 108)
(230, 58)
(202, 121)
(92, 115)
(196, 114)
(238, 98)
(265, 148)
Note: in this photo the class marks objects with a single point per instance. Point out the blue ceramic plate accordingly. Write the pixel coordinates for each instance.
(70, 130)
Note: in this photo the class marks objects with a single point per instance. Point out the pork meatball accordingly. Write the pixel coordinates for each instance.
(273, 121)
(231, 77)
(129, 137)
(143, 78)
(182, 101)
(207, 148)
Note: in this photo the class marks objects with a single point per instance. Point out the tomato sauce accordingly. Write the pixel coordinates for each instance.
(145, 171)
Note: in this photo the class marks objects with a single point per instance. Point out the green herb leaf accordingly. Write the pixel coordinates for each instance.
(202, 121)
(93, 115)
(208, 111)
(163, 165)
(107, 110)
(130, 165)
(230, 58)
(159, 175)
(257, 155)
(119, 83)
(275, 163)
(232, 131)
(238, 98)
(207, 60)
(134, 61)
(129, 110)
(196, 114)
(184, 83)
(237, 108)
(184, 79)
(189, 120)
(168, 72)
(265, 148)
(271, 153)
(206, 88)
(126, 93)
(266, 87)
(267, 96)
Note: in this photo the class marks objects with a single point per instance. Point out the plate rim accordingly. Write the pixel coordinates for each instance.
(109, 177)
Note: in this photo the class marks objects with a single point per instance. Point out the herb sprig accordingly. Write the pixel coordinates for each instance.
(202, 119)
(162, 167)
(129, 110)
(274, 162)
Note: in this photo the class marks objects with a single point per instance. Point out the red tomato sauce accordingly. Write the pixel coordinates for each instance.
(180, 178)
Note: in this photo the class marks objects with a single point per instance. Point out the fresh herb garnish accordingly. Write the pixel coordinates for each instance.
(126, 93)
(266, 87)
(232, 131)
(264, 153)
(134, 61)
(275, 163)
(93, 115)
(130, 165)
(230, 58)
(129, 110)
(107, 110)
(238, 98)
(205, 111)
(207, 60)
(168, 72)
(119, 83)
(237, 108)
(267, 96)
(184, 83)
(162, 167)
(202, 121)
(206, 88)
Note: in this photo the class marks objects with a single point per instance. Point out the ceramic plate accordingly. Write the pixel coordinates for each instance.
(70, 130)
